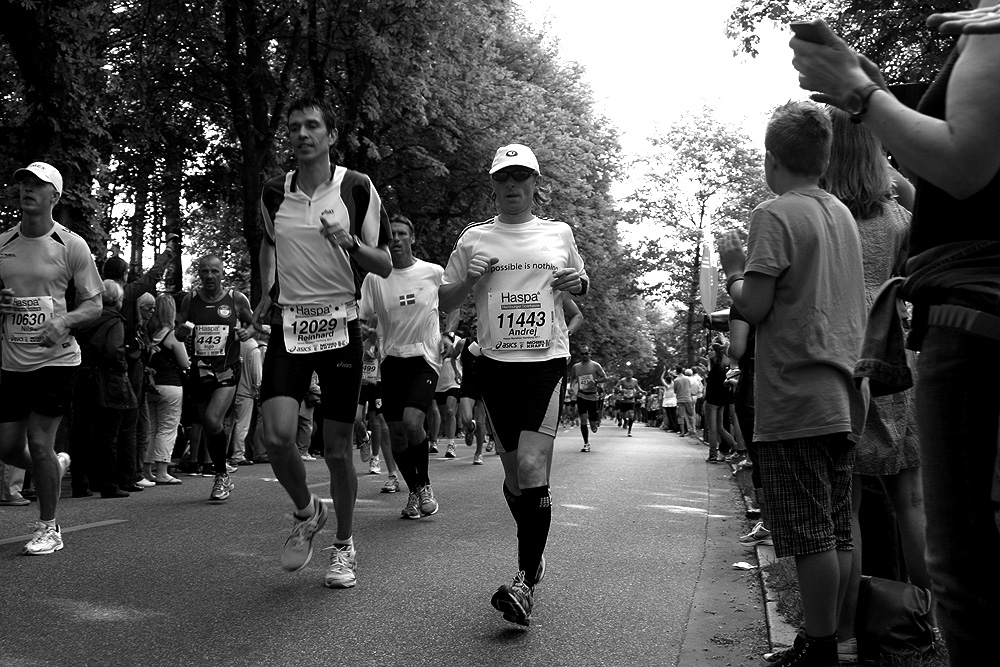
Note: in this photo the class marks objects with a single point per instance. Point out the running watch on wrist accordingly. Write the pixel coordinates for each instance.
(856, 102)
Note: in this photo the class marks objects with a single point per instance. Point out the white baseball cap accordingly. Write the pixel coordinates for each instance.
(514, 155)
(44, 171)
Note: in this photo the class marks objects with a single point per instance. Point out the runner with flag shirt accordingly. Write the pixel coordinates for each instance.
(404, 307)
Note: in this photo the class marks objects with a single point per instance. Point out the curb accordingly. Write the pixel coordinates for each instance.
(779, 633)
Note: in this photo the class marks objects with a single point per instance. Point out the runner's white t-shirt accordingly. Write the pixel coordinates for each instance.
(520, 318)
(406, 306)
(39, 270)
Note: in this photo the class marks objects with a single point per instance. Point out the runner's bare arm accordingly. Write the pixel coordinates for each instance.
(85, 312)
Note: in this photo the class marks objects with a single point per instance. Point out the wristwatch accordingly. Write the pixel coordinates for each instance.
(357, 243)
(856, 102)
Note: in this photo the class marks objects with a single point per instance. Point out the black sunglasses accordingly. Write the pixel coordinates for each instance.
(518, 175)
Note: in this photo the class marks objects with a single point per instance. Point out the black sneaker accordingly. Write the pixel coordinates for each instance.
(514, 600)
(809, 652)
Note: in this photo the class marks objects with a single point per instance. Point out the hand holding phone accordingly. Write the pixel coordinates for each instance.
(809, 31)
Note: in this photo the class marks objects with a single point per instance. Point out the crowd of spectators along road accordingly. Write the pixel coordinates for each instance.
(823, 393)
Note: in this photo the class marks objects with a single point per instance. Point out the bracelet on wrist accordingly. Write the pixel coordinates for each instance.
(731, 280)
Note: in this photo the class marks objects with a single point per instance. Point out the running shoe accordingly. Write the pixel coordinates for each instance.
(735, 457)
(712, 459)
(391, 485)
(222, 487)
(343, 570)
(366, 448)
(412, 508)
(374, 466)
(470, 433)
(230, 469)
(145, 483)
(298, 548)
(477, 460)
(45, 540)
(514, 601)
(758, 535)
(586, 447)
(432, 446)
(308, 457)
(428, 505)
(449, 453)
(489, 444)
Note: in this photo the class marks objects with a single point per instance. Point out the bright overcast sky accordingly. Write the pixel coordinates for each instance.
(649, 61)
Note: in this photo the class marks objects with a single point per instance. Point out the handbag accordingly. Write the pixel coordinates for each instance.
(893, 618)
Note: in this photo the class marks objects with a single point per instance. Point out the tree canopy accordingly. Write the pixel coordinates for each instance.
(167, 116)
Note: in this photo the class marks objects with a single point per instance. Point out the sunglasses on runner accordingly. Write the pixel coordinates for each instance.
(517, 175)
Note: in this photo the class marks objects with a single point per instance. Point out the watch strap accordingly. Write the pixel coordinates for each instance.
(864, 94)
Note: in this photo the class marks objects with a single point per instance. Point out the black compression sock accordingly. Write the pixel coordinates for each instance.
(218, 443)
(533, 531)
(421, 461)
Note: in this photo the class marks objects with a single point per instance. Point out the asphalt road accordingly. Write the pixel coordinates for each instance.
(639, 571)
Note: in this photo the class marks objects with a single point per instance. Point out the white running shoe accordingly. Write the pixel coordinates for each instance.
(412, 508)
(428, 505)
(298, 549)
(221, 488)
(757, 535)
(343, 570)
(449, 453)
(374, 466)
(46, 540)
(391, 485)
(477, 460)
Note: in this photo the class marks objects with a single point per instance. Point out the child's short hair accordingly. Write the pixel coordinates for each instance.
(799, 135)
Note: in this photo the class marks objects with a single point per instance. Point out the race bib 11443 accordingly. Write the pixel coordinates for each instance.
(521, 320)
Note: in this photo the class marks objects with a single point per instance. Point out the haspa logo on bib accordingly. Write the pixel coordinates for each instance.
(224, 310)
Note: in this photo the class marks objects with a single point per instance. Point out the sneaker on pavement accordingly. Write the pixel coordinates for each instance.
(15, 500)
(514, 601)
(308, 457)
(428, 505)
(758, 535)
(298, 548)
(366, 448)
(477, 460)
(449, 453)
(230, 469)
(221, 488)
(432, 446)
(45, 540)
(412, 508)
(374, 466)
(712, 459)
(586, 447)
(489, 444)
(145, 483)
(343, 570)
(391, 485)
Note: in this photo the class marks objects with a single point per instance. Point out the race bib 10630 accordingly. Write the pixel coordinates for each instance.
(25, 324)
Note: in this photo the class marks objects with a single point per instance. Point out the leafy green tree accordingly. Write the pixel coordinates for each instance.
(890, 32)
(701, 174)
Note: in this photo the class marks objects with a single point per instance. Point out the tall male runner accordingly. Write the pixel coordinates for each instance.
(322, 222)
(216, 313)
(39, 260)
(588, 376)
(630, 391)
(406, 307)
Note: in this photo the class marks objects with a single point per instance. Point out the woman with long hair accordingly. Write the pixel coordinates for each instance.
(168, 361)
(859, 175)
